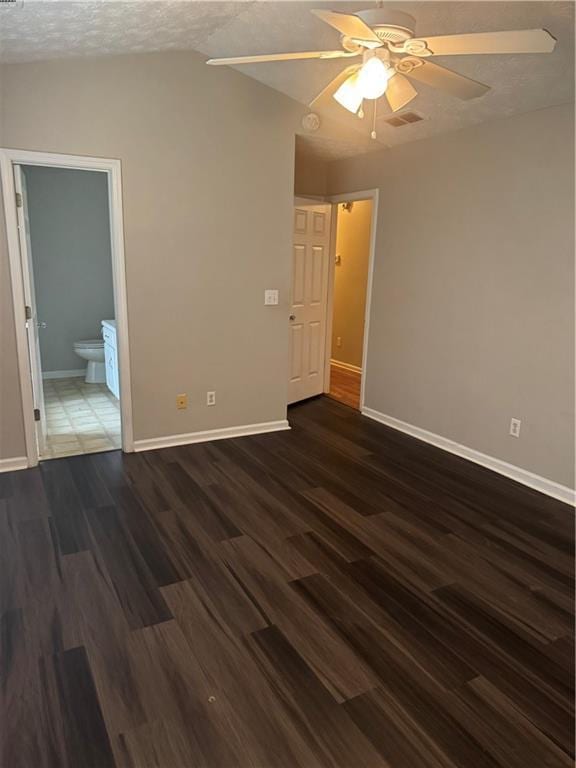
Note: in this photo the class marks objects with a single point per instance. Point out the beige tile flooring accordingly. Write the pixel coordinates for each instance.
(80, 418)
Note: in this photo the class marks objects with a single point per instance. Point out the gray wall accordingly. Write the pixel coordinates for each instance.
(72, 259)
(472, 314)
(310, 175)
(208, 179)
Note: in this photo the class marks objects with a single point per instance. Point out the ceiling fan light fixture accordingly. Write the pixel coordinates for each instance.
(386, 40)
(373, 78)
(349, 94)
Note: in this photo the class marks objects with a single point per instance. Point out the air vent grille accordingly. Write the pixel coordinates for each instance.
(406, 118)
(392, 34)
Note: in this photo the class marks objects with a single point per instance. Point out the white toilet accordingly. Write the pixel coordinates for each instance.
(92, 350)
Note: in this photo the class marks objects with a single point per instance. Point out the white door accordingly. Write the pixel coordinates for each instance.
(32, 321)
(308, 301)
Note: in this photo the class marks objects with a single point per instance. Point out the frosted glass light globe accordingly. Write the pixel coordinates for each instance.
(373, 78)
(349, 94)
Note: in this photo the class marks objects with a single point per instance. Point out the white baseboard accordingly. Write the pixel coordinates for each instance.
(76, 372)
(538, 483)
(11, 465)
(345, 366)
(210, 434)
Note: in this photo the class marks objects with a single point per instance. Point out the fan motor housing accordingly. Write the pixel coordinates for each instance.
(390, 26)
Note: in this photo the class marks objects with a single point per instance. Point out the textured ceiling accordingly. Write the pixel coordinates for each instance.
(43, 29)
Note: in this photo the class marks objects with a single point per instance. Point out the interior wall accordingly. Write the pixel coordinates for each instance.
(350, 279)
(310, 175)
(72, 259)
(208, 179)
(472, 312)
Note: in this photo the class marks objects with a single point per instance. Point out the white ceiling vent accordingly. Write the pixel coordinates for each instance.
(404, 118)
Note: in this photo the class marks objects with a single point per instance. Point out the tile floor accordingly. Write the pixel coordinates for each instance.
(80, 418)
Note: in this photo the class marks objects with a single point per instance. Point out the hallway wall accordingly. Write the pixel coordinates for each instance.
(350, 278)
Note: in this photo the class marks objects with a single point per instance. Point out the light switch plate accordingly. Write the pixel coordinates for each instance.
(270, 297)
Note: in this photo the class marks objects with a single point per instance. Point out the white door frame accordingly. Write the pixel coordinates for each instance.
(366, 194)
(30, 300)
(9, 158)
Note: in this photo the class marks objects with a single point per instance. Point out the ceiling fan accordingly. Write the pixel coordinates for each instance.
(385, 39)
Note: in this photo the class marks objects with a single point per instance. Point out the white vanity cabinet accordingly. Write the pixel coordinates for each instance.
(111, 356)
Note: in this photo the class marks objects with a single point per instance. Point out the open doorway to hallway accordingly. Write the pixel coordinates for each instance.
(349, 296)
(332, 263)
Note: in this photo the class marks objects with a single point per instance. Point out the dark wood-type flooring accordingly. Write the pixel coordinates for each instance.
(345, 386)
(338, 595)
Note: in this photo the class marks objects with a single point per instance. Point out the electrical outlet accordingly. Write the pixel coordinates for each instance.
(515, 425)
(338, 341)
(210, 398)
(181, 401)
(270, 297)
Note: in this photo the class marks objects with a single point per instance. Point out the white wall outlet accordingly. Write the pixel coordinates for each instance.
(515, 425)
(270, 297)
(338, 341)
(210, 398)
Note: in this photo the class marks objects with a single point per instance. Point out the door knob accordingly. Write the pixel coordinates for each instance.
(41, 325)
(292, 317)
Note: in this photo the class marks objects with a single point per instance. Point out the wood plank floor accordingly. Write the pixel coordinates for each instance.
(345, 386)
(338, 595)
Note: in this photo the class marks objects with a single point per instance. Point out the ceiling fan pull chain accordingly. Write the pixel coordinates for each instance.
(373, 134)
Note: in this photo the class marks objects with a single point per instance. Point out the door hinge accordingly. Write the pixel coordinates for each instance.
(28, 312)
(19, 202)
(36, 414)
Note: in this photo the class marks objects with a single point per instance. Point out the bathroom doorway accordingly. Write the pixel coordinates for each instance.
(69, 251)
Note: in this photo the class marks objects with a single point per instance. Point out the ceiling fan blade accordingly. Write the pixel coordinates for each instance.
(400, 91)
(351, 26)
(334, 84)
(282, 57)
(521, 41)
(447, 80)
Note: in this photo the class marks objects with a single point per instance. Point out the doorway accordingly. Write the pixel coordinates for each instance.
(64, 226)
(330, 296)
(348, 306)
